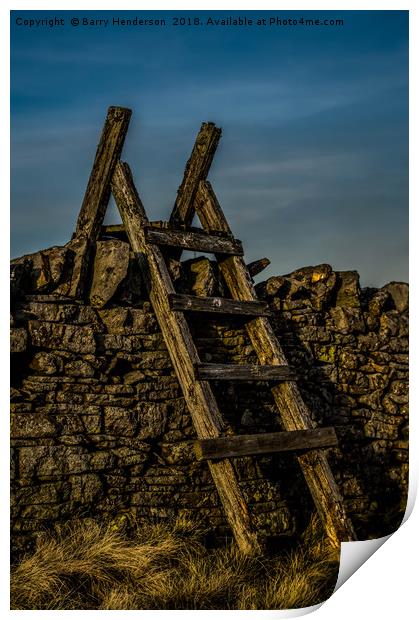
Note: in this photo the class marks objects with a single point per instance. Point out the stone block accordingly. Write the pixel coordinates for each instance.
(18, 339)
(79, 368)
(48, 311)
(152, 418)
(52, 461)
(32, 425)
(347, 320)
(399, 292)
(110, 268)
(114, 319)
(74, 277)
(389, 324)
(127, 457)
(142, 322)
(46, 493)
(325, 353)
(180, 453)
(377, 428)
(310, 333)
(86, 488)
(46, 363)
(78, 339)
(116, 342)
(198, 277)
(120, 422)
(153, 360)
(42, 270)
(19, 278)
(379, 302)
(133, 377)
(348, 290)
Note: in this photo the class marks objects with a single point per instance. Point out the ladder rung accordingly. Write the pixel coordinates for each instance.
(198, 241)
(165, 225)
(118, 230)
(244, 372)
(219, 305)
(264, 443)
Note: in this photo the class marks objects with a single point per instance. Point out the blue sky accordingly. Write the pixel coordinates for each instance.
(312, 166)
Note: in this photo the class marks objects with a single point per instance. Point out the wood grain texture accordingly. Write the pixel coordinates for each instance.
(244, 372)
(293, 412)
(98, 188)
(198, 395)
(198, 241)
(166, 225)
(265, 443)
(218, 305)
(196, 170)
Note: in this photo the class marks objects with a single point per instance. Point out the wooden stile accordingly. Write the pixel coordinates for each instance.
(215, 442)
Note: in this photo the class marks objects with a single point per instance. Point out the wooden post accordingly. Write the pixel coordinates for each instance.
(257, 266)
(98, 188)
(293, 412)
(196, 170)
(198, 394)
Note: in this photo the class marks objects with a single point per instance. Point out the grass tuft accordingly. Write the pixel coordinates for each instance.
(86, 565)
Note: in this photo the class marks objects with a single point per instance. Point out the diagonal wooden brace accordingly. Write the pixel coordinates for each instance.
(96, 198)
(293, 412)
(98, 189)
(196, 170)
(198, 395)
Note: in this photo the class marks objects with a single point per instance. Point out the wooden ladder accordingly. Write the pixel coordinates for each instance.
(195, 195)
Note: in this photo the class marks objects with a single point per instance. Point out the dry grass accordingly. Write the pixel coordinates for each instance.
(90, 566)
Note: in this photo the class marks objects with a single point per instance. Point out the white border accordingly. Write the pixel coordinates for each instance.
(386, 585)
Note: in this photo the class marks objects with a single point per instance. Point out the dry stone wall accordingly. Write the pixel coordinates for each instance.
(99, 426)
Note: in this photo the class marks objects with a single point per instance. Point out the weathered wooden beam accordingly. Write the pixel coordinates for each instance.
(196, 170)
(293, 412)
(118, 231)
(198, 395)
(219, 305)
(265, 443)
(244, 372)
(166, 225)
(49, 299)
(98, 188)
(257, 266)
(199, 241)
